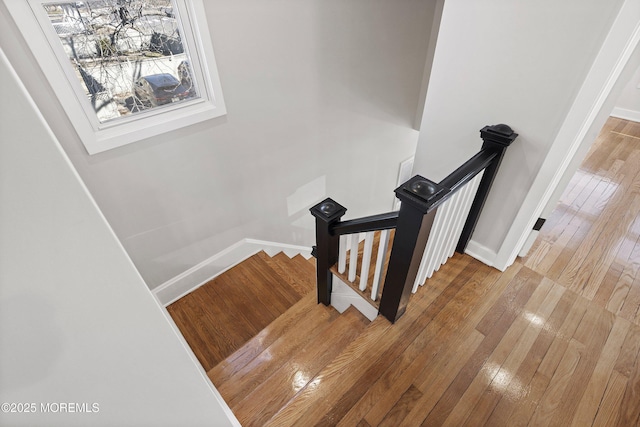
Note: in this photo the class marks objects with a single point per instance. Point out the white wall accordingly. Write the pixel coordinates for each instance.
(77, 323)
(628, 105)
(519, 63)
(321, 98)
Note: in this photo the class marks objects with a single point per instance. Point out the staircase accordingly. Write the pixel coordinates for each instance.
(260, 334)
(278, 357)
(310, 365)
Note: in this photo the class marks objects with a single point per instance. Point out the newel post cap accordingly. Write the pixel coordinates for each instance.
(422, 193)
(328, 210)
(501, 135)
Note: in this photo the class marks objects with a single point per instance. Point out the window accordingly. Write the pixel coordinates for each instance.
(124, 70)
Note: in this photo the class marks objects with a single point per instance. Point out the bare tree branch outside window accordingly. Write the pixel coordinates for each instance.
(128, 54)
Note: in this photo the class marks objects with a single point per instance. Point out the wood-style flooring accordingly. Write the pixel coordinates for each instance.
(552, 341)
(221, 316)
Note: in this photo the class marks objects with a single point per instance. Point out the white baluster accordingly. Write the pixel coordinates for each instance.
(353, 257)
(456, 202)
(429, 250)
(366, 260)
(382, 251)
(439, 237)
(342, 253)
(470, 191)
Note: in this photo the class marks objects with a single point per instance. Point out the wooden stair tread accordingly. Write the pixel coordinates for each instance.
(259, 289)
(289, 270)
(275, 355)
(253, 317)
(268, 397)
(306, 270)
(312, 261)
(220, 317)
(241, 357)
(261, 274)
(200, 321)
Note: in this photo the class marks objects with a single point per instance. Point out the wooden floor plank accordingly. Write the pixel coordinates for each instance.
(437, 376)
(518, 347)
(402, 374)
(359, 399)
(547, 407)
(629, 410)
(629, 352)
(521, 390)
(406, 402)
(600, 257)
(609, 409)
(588, 406)
(481, 396)
(495, 334)
(608, 284)
(440, 376)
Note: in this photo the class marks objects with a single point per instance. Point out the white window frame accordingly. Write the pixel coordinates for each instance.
(32, 20)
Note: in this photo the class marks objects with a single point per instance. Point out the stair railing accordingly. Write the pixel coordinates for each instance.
(434, 219)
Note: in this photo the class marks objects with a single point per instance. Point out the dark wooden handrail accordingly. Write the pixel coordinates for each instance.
(468, 170)
(384, 221)
(420, 199)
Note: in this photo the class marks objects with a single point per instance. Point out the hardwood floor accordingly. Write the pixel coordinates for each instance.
(590, 242)
(552, 341)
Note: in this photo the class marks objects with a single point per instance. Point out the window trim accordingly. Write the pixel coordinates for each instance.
(32, 20)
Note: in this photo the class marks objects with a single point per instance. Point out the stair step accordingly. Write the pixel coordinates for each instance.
(265, 400)
(259, 273)
(202, 321)
(221, 316)
(245, 301)
(289, 270)
(258, 369)
(306, 271)
(236, 361)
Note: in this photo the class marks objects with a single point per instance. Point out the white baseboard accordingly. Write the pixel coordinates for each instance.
(342, 296)
(623, 113)
(273, 248)
(208, 269)
(483, 254)
(528, 243)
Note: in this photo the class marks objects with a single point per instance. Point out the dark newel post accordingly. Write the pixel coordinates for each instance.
(327, 213)
(497, 138)
(419, 197)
